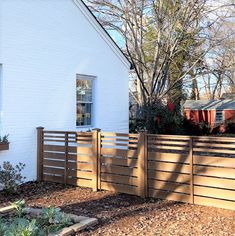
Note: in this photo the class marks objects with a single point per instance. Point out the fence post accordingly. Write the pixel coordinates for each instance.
(95, 157)
(66, 142)
(191, 170)
(142, 167)
(40, 153)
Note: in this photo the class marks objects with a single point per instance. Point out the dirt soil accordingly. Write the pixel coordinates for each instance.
(121, 214)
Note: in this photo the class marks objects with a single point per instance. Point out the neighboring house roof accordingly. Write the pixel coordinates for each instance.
(228, 96)
(222, 104)
(103, 33)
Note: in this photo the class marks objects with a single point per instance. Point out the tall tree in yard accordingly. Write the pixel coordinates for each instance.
(159, 36)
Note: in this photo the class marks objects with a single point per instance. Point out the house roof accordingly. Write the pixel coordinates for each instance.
(101, 30)
(222, 104)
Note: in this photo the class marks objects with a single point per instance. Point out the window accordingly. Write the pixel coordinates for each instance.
(84, 100)
(219, 116)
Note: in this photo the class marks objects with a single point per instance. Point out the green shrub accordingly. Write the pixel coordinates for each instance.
(11, 177)
(23, 227)
(54, 220)
(158, 119)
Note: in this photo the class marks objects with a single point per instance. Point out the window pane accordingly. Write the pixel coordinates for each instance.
(84, 90)
(84, 114)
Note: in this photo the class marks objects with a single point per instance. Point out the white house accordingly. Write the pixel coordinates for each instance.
(58, 69)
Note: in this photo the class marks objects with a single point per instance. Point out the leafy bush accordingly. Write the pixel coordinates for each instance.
(158, 119)
(51, 221)
(11, 177)
(23, 227)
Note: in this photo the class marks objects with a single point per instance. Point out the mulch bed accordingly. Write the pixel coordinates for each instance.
(121, 214)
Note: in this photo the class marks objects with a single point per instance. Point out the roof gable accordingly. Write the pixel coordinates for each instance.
(102, 32)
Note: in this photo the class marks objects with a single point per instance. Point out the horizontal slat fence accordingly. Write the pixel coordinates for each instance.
(169, 167)
(214, 171)
(68, 157)
(198, 170)
(119, 162)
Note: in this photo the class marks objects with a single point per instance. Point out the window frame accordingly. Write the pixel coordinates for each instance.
(222, 112)
(91, 78)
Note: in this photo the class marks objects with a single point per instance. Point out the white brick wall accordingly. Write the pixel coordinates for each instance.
(43, 45)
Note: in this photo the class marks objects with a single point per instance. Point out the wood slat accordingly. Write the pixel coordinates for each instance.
(80, 166)
(179, 197)
(111, 134)
(84, 150)
(167, 176)
(171, 137)
(214, 161)
(54, 148)
(119, 179)
(171, 157)
(119, 144)
(55, 179)
(59, 132)
(118, 161)
(214, 193)
(54, 140)
(169, 186)
(117, 139)
(55, 163)
(214, 139)
(119, 170)
(166, 166)
(162, 147)
(214, 171)
(55, 171)
(215, 182)
(119, 152)
(80, 174)
(52, 155)
(214, 145)
(214, 202)
(210, 150)
(168, 142)
(80, 182)
(54, 136)
(119, 188)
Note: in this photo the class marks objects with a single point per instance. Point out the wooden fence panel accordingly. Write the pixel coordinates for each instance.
(119, 170)
(214, 171)
(70, 158)
(169, 167)
(198, 170)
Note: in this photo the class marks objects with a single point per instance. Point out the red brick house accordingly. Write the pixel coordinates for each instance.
(212, 112)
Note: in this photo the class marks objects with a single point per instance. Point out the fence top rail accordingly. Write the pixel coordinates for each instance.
(68, 132)
(111, 134)
(196, 138)
(175, 137)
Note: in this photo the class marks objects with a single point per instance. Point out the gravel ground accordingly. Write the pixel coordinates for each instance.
(121, 214)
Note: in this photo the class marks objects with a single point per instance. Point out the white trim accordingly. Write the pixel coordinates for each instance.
(216, 122)
(91, 78)
(101, 32)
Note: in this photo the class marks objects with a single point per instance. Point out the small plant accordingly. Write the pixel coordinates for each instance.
(54, 220)
(4, 139)
(19, 206)
(11, 177)
(23, 227)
